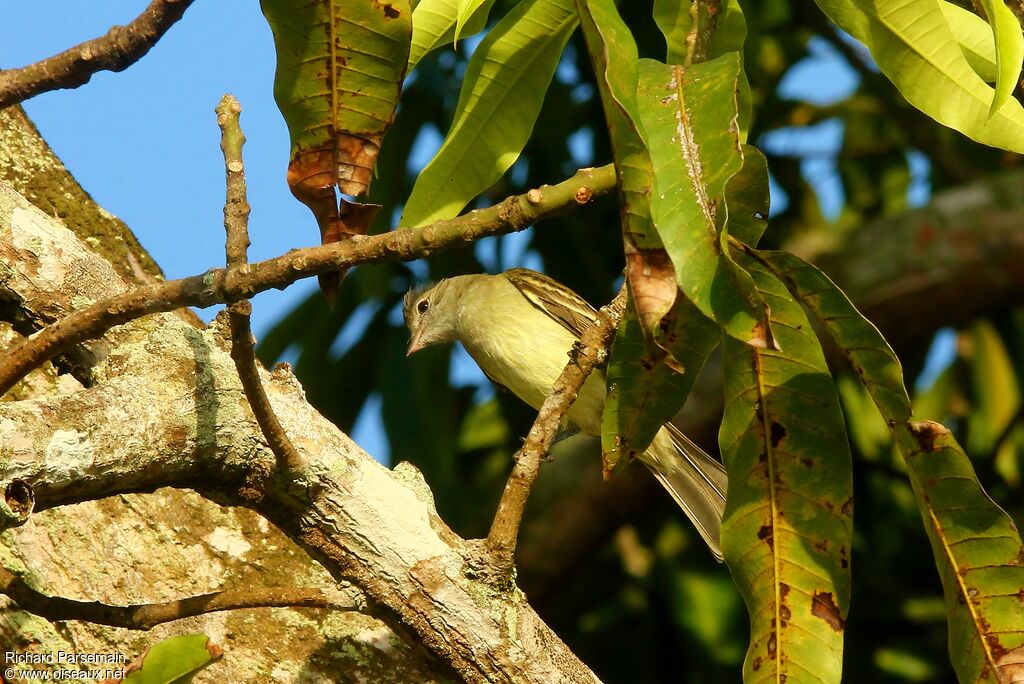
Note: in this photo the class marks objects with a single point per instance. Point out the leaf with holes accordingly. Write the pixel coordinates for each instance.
(788, 521)
(501, 97)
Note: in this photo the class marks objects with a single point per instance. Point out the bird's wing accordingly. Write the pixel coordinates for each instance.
(554, 299)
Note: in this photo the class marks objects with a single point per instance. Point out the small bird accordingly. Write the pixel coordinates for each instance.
(519, 327)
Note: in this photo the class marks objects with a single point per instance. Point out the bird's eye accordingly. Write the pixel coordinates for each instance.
(423, 306)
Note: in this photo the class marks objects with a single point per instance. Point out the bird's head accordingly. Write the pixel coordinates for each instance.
(431, 314)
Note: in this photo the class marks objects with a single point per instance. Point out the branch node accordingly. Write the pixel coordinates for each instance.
(18, 503)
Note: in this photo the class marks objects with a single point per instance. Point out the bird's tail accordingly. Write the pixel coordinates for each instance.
(694, 479)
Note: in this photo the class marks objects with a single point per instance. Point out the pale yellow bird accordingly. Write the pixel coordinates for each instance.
(519, 327)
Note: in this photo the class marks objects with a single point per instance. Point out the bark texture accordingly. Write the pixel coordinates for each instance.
(167, 409)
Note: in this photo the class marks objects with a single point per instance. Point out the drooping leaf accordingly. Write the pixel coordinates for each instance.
(914, 47)
(870, 355)
(975, 39)
(977, 547)
(689, 119)
(1009, 43)
(340, 65)
(788, 519)
(502, 93)
(174, 660)
(978, 551)
(613, 54)
(644, 393)
(434, 25)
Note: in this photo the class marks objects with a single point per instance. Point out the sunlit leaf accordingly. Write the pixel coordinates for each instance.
(788, 520)
(340, 65)
(173, 660)
(434, 25)
(975, 39)
(1009, 49)
(675, 18)
(689, 119)
(914, 47)
(502, 93)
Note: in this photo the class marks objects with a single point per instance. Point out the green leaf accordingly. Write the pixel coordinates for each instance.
(613, 54)
(978, 551)
(870, 355)
(340, 65)
(995, 391)
(977, 547)
(643, 392)
(748, 198)
(689, 120)
(788, 518)
(175, 659)
(1009, 50)
(501, 96)
(466, 9)
(914, 47)
(674, 19)
(975, 39)
(434, 25)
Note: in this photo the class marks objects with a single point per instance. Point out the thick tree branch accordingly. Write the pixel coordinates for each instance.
(121, 47)
(590, 352)
(148, 615)
(236, 227)
(214, 286)
(168, 410)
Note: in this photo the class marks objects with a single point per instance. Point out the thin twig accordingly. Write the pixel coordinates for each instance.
(121, 47)
(590, 352)
(147, 615)
(214, 287)
(236, 227)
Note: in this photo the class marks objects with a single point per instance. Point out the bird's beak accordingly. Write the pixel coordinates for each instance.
(414, 345)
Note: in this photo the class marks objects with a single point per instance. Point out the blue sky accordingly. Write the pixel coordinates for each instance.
(145, 142)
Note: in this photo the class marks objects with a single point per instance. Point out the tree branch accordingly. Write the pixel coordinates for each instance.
(121, 47)
(213, 287)
(168, 410)
(590, 351)
(236, 227)
(148, 615)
